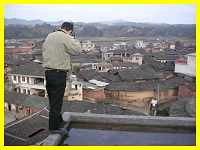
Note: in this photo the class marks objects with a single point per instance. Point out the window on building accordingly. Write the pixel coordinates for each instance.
(15, 78)
(9, 107)
(137, 58)
(19, 79)
(27, 79)
(29, 93)
(35, 81)
(76, 86)
(20, 108)
(23, 79)
(24, 91)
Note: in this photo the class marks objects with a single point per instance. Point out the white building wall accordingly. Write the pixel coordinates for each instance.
(181, 68)
(74, 94)
(140, 44)
(189, 68)
(13, 107)
(107, 56)
(6, 106)
(14, 81)
(137, 59)
(192, 65)
(172, 46)
(31, 80)
(22, 89)
(25, 79)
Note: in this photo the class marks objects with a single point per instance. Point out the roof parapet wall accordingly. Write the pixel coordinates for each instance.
(177, 122)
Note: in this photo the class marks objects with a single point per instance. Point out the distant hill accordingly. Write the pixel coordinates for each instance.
(19, 28)
(16, 21)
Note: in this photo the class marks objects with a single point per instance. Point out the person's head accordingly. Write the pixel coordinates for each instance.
(67, 26)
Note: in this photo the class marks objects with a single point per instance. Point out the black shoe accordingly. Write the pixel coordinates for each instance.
(61, 131)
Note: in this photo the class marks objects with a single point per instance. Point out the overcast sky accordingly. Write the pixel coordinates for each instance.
(172, 14)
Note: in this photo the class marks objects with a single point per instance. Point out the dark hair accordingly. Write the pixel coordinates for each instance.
(67, 26)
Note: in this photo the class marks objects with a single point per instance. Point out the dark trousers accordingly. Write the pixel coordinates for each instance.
(55, 86)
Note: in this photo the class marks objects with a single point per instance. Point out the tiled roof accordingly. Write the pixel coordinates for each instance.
(31, 69)
(26, 100)
(144, 72)
(100, 76)
(149, 85)
(24, 129)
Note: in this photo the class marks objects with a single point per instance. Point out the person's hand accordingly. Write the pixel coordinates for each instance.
(72, 34)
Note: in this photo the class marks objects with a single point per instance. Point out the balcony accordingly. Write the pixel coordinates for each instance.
(39, 85)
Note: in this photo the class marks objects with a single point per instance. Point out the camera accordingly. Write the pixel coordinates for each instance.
(72, 34)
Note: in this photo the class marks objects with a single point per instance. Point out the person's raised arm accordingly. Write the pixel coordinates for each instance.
(72, 46)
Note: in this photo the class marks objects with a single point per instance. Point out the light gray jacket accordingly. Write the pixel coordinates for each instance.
(57, 48)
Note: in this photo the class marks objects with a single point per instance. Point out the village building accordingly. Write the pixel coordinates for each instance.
(29, 79)
(140, 44)
(172, 45)
(103, 67)
(87, 46)
(186, 65)
(85, 62)
(187, 89)
(19, 47)
(93, 92)
(22, 105)
(123, 66)
(138, 96)
(74, 89)
(119, 56)
(140, 74)
(136, 58)
(121, 45)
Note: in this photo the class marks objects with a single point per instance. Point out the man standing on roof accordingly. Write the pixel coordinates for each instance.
(57, 48)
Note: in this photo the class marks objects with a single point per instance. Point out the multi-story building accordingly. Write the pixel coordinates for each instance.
(29, 79)
(136, 58)
(121, 45)
(130, 56)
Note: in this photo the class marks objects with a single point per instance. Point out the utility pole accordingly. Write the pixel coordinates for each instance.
(158, 91)
(158, 99)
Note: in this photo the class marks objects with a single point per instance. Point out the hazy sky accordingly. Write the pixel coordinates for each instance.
(173, 14)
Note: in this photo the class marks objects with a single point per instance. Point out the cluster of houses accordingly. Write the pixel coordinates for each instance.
(131, 77)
